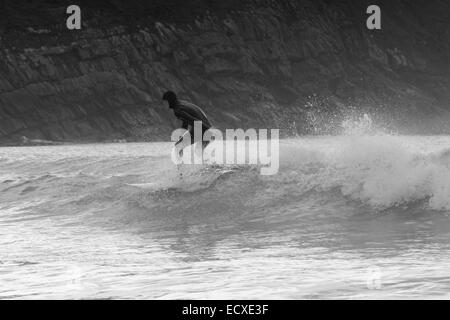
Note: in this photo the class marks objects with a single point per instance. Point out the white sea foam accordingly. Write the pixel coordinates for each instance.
(73, 222)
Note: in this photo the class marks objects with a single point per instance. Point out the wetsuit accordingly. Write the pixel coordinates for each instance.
(188, 113)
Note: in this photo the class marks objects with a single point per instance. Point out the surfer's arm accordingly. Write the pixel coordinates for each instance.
(182, 137)
(186, 117)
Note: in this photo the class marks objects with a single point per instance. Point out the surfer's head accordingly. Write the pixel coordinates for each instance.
(170, 97)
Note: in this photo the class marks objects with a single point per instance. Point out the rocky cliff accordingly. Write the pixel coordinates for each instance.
(301, 66)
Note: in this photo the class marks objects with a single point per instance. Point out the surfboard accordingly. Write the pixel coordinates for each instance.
(182, 185)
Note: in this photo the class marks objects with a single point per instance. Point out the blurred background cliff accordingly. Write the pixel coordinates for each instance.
(301, 66)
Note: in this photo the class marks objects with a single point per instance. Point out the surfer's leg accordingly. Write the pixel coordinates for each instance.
(201, 146)
(180, 170)
(185, 141)
(205, 143)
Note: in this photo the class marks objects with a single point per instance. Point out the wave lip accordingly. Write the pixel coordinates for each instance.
(380, 171)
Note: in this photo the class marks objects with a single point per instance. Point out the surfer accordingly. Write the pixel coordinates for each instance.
(188, 113)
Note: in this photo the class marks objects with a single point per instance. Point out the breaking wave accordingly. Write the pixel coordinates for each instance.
(378, 172)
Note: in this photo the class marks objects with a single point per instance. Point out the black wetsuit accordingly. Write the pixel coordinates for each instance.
(188, 113)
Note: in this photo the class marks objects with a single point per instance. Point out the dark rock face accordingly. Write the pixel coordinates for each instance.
(262, 64)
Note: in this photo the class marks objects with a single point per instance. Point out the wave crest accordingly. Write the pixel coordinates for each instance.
(381, 171)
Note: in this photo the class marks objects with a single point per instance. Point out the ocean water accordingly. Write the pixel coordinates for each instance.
(351, 217)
